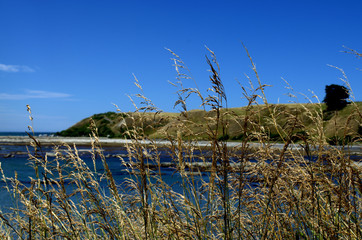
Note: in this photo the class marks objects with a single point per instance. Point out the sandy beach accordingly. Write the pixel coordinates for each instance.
(46, 140)
(86, 141)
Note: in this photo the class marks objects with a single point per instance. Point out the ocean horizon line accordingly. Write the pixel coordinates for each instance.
(24, 133)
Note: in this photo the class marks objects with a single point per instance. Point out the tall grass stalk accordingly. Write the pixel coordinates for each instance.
(304, 190)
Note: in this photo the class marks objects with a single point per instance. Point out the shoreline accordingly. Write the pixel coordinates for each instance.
(115, 142)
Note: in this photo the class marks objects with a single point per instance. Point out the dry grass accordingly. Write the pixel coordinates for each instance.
(313, 192)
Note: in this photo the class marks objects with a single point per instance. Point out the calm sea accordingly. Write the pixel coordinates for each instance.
(25, 134)
(15, 159)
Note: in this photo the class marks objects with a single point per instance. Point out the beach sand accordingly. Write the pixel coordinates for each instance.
(82, 141)
(86, 141)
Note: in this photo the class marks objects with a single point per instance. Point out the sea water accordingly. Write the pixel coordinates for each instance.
(22, 134)
(15, 159)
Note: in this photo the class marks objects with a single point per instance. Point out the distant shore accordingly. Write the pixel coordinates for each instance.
(86, 141)
(54, 140)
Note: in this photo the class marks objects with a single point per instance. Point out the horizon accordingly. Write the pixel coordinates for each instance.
(69, 60)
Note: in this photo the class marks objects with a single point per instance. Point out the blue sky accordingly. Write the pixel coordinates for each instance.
(71, 59)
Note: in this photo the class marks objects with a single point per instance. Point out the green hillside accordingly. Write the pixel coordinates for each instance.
(274, 122)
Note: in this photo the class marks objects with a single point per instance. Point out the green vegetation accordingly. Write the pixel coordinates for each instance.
(312, 192)
(113, 125)
(106, 122)
(336, 97)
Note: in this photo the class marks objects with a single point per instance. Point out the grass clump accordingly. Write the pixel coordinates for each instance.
(307, 190)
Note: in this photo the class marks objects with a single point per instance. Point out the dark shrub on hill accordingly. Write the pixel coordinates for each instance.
(336, 97)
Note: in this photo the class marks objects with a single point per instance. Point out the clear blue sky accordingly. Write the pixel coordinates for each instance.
(71, 59)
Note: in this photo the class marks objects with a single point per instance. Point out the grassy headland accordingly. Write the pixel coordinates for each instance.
(344, 123)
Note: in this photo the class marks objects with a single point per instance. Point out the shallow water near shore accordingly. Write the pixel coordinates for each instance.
(15, 158)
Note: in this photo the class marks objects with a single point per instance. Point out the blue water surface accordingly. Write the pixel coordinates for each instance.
(15, 159)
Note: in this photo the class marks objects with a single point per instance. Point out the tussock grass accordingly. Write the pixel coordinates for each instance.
(312, 192)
